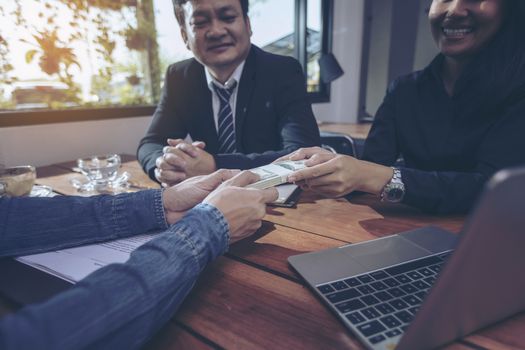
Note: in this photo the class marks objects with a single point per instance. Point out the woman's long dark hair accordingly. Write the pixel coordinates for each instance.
(506, 54)
(496, 77)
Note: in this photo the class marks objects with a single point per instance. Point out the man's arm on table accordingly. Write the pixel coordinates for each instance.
(34, 225)
(121, 305)
(166, 122)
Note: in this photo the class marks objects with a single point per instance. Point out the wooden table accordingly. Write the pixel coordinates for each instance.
(251, 299)
(356, 131)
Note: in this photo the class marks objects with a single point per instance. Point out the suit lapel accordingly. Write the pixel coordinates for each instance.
(202, 111)
(245, 91)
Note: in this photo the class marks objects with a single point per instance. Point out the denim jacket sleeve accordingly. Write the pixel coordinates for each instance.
(121, 305)
(34, 225)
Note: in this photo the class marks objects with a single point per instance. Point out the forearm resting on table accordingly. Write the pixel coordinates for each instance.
(120, 306)
(373, 177)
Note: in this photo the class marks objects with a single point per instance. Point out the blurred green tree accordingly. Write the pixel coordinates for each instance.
(55, 43)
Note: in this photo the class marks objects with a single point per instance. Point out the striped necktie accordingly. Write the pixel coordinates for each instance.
(226, 129)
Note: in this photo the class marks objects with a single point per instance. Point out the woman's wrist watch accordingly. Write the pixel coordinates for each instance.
(394, 190)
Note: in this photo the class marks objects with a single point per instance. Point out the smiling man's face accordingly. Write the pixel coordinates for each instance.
(461, 28)
(217, 32)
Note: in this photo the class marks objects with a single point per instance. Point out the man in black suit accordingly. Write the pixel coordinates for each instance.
(244, 107)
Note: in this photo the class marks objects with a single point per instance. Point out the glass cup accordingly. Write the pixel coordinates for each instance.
(100, 171)
(17, 181)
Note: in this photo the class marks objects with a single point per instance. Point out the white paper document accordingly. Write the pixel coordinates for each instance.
(74, 264)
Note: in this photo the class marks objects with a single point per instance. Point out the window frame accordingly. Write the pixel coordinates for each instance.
(327, 17)
(401, 48)
(35, 117)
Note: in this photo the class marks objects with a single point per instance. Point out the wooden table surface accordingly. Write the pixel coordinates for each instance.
(251, 299)
(357, 131)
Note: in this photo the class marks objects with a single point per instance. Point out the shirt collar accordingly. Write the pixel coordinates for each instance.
(234, 79)
(436, 66)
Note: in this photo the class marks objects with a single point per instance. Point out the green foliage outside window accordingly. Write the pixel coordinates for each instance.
(64, 39)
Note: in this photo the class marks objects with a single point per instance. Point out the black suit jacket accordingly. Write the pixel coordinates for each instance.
(273, 114)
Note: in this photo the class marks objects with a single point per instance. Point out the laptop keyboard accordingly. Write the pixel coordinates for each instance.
(382, 303)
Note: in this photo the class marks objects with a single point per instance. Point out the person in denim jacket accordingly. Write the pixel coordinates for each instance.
(120, 306)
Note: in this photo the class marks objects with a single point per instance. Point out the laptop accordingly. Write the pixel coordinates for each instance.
(424, 288)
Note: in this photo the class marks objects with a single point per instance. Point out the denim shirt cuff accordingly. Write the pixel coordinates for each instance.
(138, 212)
(206, 231)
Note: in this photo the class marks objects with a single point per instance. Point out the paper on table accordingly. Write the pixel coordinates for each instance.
(74, 264)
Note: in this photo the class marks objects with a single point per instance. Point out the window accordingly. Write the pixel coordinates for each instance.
(306, 38)
(61, 59)
(397, 41)
(314, 45)
(60, 54)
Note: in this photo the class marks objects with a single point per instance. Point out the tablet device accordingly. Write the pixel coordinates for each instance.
(288, 196)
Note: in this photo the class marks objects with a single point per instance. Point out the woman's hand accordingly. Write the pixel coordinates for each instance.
(335, 175)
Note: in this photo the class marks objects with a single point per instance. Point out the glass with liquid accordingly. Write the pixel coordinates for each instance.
(100, 171)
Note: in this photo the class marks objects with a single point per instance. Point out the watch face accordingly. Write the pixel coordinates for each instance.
(395, 194)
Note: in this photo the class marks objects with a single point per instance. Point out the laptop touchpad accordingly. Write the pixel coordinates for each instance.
(432, 238)
(384, 252)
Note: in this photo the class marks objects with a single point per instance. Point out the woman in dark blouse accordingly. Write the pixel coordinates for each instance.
(443, 131)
